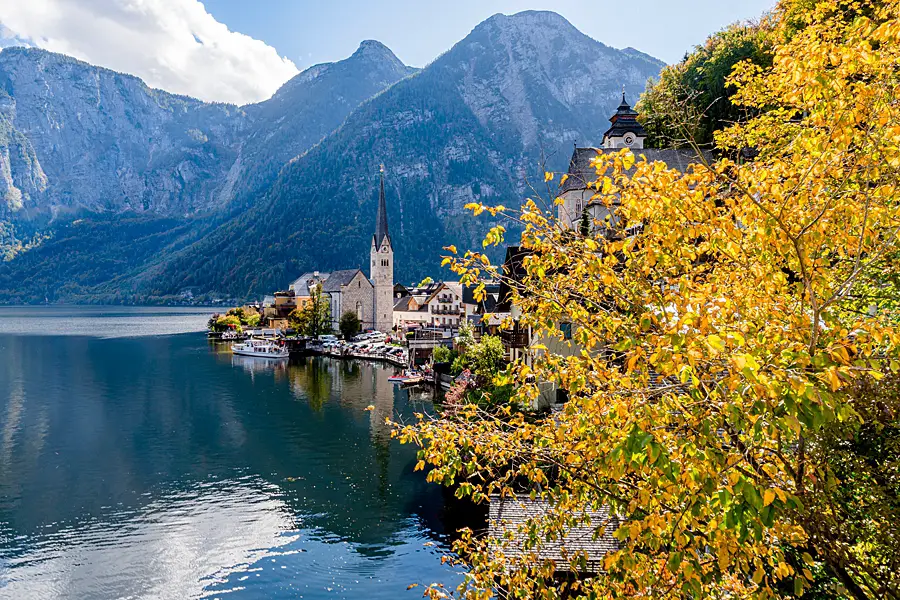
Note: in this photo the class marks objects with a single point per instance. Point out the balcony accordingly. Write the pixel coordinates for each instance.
(515, 338)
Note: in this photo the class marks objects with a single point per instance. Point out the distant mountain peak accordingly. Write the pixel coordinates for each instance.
(528, 19)
(375, 50)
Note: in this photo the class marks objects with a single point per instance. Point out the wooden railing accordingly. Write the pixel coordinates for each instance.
(516, 338)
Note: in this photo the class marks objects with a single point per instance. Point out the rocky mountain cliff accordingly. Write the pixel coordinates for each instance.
(470, 126)
(82, 138)
(90, 139)
(473, 125)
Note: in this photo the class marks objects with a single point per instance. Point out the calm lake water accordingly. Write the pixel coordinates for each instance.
(135, 465)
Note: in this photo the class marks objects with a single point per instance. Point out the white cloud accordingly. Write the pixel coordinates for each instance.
(174, 45)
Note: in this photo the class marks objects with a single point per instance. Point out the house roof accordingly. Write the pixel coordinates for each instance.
(338, 279)
(594, 538)
(439, 287)
(406, 303)
(301, 284)
(581, 172)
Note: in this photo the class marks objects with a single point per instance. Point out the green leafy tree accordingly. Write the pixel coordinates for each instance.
(314, 317)
(692, 99)
(584, 226)
(485, 359)
(466, 337)
(443, 354)
(349, 324)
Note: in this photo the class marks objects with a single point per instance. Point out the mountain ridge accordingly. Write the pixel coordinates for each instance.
(470, 126)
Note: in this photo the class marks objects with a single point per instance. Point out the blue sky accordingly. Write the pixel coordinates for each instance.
(241, 51)
(418, 31)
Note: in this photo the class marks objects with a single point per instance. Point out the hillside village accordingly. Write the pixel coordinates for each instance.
(429, 315)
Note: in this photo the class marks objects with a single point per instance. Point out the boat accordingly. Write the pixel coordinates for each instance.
(260, 349)
(406, 377)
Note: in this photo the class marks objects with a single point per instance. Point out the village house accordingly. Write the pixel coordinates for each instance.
(303, 286)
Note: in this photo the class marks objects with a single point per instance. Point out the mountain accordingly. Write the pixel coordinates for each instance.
(88, 154)
(469, 127)
(79, 138)
(296, 185)
(307, 108)
(90, 139)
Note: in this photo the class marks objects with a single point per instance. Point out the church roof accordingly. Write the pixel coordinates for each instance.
(338, 279)
(381, 223)
(582, 173)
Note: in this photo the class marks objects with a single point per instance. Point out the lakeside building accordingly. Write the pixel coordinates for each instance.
(347, 290)
(439, 305)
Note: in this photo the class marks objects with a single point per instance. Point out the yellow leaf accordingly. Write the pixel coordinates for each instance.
(716, 343)
(628, 160)
(548, 176)
(369, 408)
(768, 497)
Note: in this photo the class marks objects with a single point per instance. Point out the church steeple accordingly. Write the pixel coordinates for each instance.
(381, 223)
(382, 274)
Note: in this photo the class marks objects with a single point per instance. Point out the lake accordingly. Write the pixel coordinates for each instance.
(137, 460)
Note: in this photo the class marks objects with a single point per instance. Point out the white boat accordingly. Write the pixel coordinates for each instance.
(260, 348)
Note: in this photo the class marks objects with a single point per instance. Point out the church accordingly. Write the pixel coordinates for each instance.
(371, 298)
(625, 131)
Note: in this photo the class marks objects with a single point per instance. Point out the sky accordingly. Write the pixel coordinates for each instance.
(241, 51)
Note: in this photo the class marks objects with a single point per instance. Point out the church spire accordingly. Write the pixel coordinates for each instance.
(381, 224)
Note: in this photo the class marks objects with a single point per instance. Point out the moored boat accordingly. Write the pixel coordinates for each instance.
(260, 349)
(406, 377)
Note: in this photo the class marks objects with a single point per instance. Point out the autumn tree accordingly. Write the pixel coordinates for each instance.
(314, 317)
(719, 348)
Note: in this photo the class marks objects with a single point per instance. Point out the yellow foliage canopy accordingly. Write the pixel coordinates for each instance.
(718, 331)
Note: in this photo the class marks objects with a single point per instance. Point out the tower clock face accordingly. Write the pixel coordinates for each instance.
(629, 139)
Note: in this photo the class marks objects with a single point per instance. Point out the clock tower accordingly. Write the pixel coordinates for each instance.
(626, 131)
(382, 268)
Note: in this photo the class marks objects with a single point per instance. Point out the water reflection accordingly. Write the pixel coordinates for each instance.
(153, 468)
